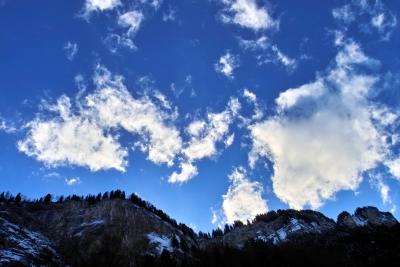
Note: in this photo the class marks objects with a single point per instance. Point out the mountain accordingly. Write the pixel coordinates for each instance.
(112, 230)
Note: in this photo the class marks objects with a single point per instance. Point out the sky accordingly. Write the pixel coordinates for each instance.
(212, 110)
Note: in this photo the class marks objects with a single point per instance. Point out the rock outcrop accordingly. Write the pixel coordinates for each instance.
(132, 232)
(366, 216)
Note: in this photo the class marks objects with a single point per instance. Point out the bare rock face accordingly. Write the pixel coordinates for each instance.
(109, 232)
(129, 229)
(366, 216)
(132, 232)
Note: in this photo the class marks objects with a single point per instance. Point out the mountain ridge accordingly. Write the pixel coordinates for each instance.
(112, 230)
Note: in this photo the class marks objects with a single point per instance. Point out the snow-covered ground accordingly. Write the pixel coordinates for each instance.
(161, 242)
(23, 243)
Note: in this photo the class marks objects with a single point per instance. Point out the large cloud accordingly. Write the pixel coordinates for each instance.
(86, 136)
(325, 134)
(243, 201)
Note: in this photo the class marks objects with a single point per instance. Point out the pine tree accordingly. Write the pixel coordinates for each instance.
(18, 198)
(47, 199)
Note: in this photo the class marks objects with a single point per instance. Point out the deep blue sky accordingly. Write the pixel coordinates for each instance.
(181, 53)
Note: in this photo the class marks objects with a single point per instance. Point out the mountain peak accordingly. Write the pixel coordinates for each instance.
(366, 216)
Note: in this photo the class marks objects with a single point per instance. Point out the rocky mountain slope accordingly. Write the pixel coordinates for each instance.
(114, 231)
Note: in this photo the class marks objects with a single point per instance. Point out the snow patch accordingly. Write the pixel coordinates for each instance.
(7, 256)
(92, 223)
(161, 242)
(26, 243)
(359, 221)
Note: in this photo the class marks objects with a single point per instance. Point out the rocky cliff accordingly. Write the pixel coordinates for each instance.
(131, 232)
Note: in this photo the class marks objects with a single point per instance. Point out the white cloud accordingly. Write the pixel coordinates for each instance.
(283, 59)
(243, 201)
(229, 140)
(247, 14)
(324, 135)
(187, 172)
(87, 137)
(252, 98)
(204, 136)
(72, 181)
(70, 50)
(260, 43)
(115, 41)
(344, 14)
(292, 96)
(115, 107)
(153, 3)
(377, 182)
(179, 88)
(131, 20)
(394, 167)
(69, 139)
(214, 218)
(227, 64)
(99, 6)
(267, 52)
(7, 127)
(170, 15)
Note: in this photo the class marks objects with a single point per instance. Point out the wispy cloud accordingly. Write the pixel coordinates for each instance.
(131, 20)
(71, 49)
(268, 52)
(6, 126)
(379, 19)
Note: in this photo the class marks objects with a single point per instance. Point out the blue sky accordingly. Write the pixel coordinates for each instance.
(212, 110)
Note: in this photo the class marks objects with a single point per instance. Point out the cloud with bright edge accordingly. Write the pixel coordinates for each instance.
(243, 201)
(377, 181)
(251, 98)
(85, 136)
(131, 20)
(227, 64)
(247, 14)
(72, 181)
(325, 134)
(204, 136)
(99, 6)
